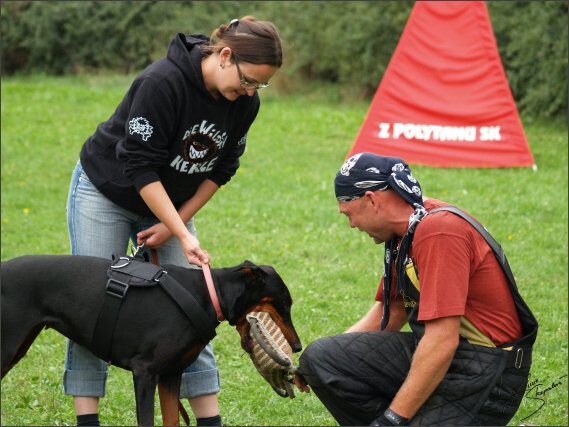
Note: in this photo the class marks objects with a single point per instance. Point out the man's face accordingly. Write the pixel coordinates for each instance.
(366, 215)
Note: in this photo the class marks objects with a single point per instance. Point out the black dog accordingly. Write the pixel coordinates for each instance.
(153, 337)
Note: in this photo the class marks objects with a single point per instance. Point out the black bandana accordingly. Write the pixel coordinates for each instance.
(371, 172)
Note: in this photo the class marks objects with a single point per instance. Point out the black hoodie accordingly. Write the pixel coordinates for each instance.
(168, 128)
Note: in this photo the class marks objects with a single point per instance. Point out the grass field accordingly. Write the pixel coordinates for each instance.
(279, 210)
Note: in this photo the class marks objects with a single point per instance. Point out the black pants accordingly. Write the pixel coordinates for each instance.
(357, 375)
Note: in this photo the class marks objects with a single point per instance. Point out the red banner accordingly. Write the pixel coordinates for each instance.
(444, 99)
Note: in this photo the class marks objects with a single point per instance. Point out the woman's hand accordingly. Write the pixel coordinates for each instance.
(154, 237)
(159, 202)
(194, 254)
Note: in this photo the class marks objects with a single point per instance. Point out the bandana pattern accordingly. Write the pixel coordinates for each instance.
(371, 172)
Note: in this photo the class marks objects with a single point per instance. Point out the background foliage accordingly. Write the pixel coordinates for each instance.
(347, 43)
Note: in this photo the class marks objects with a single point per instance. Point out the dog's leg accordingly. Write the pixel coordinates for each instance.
(169, 394)
(12, 352)
(144, 390)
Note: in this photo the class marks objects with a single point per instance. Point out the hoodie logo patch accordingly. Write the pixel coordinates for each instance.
(199, 148)
(140, 126)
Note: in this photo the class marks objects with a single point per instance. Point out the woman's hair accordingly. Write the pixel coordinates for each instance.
(253, 41)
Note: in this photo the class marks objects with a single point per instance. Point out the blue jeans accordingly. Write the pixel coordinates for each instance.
(99, 227)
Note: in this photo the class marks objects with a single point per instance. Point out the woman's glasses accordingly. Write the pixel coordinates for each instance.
(244, 83)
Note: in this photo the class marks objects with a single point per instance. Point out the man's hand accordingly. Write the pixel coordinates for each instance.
(300, 382)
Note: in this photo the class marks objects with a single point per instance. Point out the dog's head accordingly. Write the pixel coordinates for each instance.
(257, 288)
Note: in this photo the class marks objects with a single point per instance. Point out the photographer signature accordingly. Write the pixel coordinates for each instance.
(535, 391)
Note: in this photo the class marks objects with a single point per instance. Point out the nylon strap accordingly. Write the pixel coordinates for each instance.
(529, 322)
(190, 306)
(116, 291)
(105, 326)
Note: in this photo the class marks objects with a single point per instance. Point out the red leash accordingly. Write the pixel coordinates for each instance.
(208, 281)
(154, 256)
(212, 292)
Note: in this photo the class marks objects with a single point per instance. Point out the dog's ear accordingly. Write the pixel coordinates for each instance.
(245, 263)
(254, 273)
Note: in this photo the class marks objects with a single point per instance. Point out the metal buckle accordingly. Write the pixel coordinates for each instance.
(122, 258)
(519, 358)
(116, 292)
(160, 275)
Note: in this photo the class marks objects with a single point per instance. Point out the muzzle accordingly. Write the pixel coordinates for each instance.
(272, 354)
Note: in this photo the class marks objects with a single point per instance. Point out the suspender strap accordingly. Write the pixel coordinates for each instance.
(521, 353)
(498, 251)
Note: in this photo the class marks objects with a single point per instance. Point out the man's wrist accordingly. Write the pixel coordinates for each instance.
(390, 418)
(395, 418)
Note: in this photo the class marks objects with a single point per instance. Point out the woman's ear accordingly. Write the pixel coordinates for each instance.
(225, 55)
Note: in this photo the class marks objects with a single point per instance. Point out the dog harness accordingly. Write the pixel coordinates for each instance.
(127, 271)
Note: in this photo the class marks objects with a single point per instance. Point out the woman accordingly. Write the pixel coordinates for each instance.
(175, 138)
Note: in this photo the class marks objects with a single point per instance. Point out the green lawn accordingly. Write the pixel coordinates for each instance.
(279, 210)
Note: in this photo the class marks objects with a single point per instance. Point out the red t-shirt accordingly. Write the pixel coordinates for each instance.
(460, 276)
